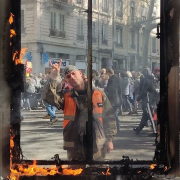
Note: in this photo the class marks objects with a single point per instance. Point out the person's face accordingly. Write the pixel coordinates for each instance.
(136, 75)
(103, 71)
(103, 78)
(74, 78)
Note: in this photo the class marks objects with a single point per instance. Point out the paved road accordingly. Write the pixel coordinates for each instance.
(39, 140)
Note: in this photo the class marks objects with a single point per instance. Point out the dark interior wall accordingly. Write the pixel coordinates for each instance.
(5, 58)
(169, 79)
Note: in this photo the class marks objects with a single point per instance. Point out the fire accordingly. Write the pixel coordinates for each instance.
(139, 172)
(12, 33)
(153, 166)
(18, 170)
(11, 18)
(165, 168)
(107, 172)
(19, 61)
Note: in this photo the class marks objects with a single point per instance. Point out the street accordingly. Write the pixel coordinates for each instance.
(42, 141)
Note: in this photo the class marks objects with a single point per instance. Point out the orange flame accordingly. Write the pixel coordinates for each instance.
(153, 166)
(165, 168)
(18, 170)
(12, 33)
(107, 172)
(139, 172)
(11, 18)
(19, 61)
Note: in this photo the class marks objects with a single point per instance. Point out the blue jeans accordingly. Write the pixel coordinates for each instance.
(51, 111)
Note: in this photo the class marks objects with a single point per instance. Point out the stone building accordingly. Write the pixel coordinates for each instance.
(59, 29)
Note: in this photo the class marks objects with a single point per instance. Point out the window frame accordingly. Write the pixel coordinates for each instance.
(105, 6)
(104, 34)
(119, 9)
(120, 29)
(24, 9)
(80, 29)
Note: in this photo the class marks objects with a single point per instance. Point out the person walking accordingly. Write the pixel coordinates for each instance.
(113, 91)
(125, 93)
(147, 94)
(74, 103)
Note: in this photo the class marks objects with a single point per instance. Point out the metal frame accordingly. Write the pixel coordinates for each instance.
(165, 153)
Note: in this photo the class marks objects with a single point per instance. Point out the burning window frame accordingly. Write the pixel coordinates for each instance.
(162, 160)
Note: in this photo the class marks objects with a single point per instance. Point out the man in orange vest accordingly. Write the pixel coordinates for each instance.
(75, 105)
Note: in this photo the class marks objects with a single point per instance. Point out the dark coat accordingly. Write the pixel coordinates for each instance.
(146, 87)
(113, 90)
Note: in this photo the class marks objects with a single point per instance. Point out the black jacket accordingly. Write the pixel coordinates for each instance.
(147, 87)
(113, 90)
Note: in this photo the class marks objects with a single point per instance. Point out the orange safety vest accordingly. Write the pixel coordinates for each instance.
(70, 114)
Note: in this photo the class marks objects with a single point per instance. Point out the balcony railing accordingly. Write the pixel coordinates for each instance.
(119, 14)
(61, 34)
(119, 44)
(133, 46)
(64, 1)
(105, 41)
(94, 40)
(55, 32)
(80, 37)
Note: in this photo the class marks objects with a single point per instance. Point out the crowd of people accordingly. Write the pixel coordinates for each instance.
(113, 95)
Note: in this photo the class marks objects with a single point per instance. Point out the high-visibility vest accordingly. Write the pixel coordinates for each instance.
(70, 116)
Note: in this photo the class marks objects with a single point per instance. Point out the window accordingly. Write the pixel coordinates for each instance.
(119, 8)
(104, 34)
(105, 5)
(133, 39)
(143, 12)
(61, 22)
(79, 1)
(94, 3)
(153, 45)
(53, 20)
(132, 11)
(94, 32)
(22, 22)
(80, 30)
(119, 31)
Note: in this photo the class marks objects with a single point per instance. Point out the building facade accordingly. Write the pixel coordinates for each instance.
(58, 28)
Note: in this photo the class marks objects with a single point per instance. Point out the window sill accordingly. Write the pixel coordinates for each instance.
(119, 46)
(57, 37)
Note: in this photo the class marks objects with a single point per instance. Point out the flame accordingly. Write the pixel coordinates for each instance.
(18, 170)
(73, 172)
(153, 166)
(12, 33)
(165, 168)
(11, 18)
(107, 172)
(139, 172)
(19, 61)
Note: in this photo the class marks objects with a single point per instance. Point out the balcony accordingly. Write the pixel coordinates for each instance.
(80, 37)
(120, 45)
(94, 40)
(133, 20)
(66, 5)
(105, 41)
(119, 14)
(79, 1)
(55, 32)
(133, 46)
